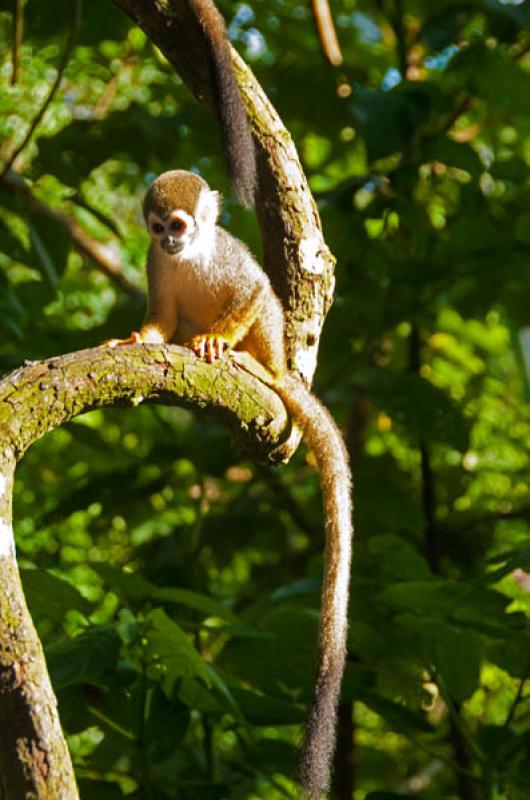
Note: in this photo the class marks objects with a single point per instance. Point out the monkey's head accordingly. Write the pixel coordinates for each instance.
(180, 209)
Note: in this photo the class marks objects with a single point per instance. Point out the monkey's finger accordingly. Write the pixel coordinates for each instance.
(202, 348)
(210, 350)
(219, 342)
(221, 347)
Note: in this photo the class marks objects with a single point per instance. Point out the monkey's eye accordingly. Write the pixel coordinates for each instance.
(157, 227)
(177, 225)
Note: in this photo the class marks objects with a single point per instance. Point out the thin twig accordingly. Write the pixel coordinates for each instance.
(18, 35)
(516, 701)
(428, 495)
(103, 103)
(326, 32)
(88, 246)
(459, 111)
(399, 30)
(72, 36)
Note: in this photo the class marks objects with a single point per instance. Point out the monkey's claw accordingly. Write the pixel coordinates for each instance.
(209, 346)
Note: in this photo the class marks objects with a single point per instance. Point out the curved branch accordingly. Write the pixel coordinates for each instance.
(34, 760)
(44, 394)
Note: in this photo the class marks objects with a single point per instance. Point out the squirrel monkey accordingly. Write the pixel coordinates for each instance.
(207, 291)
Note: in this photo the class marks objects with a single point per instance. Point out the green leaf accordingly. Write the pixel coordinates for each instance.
(397, 715)
(400, 561)
(171, 649)
(282, 663)
(194, 600)
(261, 709)
(84, 659)
(492, 75)
(130, 585)
(51, 594)
(388, 120)
(454, 154)
(165, 715)
(457, 658)
(197, 697)
(300, 588)
(50, 248)
(428, 411)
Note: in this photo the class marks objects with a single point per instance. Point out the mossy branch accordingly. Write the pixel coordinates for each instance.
(44, 394)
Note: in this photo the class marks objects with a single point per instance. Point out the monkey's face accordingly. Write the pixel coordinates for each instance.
(180, 214)
(174, 233)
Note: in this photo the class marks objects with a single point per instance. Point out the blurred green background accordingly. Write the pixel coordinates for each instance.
(175, 584)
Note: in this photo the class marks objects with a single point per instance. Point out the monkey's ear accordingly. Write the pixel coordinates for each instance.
(208, 207)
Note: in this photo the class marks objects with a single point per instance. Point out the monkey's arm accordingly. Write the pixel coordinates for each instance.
(161, 319)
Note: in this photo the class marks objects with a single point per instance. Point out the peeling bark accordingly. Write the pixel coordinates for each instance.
(34, 759)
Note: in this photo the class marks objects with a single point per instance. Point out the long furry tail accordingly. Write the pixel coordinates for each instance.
(324, 438)
(239, 147)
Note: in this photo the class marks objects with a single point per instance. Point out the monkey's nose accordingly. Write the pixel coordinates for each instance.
(171, 244)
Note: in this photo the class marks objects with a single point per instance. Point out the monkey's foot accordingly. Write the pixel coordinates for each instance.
(134, 338)
(209, 346)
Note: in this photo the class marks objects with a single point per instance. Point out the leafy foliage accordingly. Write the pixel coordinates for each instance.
(174, 584)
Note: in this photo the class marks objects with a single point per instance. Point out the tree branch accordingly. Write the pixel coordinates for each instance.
(98, 252)
(44, 394)
(326, 32)
(18, 36)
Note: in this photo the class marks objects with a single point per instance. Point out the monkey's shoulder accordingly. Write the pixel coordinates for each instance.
(227, 242)
(235, 256)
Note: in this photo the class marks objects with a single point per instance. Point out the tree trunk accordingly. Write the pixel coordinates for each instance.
(34, 758)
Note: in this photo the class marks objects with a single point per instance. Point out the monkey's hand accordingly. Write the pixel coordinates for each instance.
(134, 338)
(150, 333)
(210, 346)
